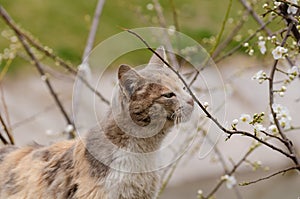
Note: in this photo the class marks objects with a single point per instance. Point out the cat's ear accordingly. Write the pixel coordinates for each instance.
(155, 60)
(129, 80)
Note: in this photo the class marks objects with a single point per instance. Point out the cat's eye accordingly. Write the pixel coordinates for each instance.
(168, 95)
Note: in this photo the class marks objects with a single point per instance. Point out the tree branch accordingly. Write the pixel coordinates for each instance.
(37, 64)
(54, 57)
(10, 137)
(287, 142)
(207, 113)
(270, 176)
(92, 34)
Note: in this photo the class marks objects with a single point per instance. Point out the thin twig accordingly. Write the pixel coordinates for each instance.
(230, 37)
(165, 183)
(270, 176)
(33, 117)
(175, 15)
(92, 34)
(235, 167)
(5, 108)
(11, 139)
(212, 51)
(166, 38)
(273, 136)
(37, 64)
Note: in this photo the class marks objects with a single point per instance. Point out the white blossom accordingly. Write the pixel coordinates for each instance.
(282, 115)
(281, 94)
(69, 128)
(245, 117)
(246, 44)
(205, 104)
(200, 192)
(283, 88)
(260, 76)
(262, 47)
(235, 121)
(278, 52)
(251, 52)
(276, 3)
(292, 9)
(293, 72)
(230, 181)
(259, 127)
(285, 122)
(273, 128)
(149, 6)
(265, 5)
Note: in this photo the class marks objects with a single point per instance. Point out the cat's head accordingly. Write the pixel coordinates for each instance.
(154, 95)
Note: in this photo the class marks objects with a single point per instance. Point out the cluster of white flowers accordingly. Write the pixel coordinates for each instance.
(230, 181)
(255, 121)
(261, 76)
(282, 115)
(279, 52)
(11, 51)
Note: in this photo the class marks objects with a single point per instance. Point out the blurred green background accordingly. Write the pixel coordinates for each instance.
(64, 25)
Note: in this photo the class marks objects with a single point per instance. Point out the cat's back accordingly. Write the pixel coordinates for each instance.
(46, 172)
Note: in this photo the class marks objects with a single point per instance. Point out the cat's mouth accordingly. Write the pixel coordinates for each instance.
(175, 116)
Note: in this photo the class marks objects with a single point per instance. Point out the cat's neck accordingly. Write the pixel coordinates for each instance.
(115, 134)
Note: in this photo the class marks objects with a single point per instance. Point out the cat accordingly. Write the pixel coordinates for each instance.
(110, 162)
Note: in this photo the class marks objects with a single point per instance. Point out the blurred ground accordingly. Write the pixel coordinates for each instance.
(35, 118)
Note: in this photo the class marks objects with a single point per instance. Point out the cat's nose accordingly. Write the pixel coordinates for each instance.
(191, 102)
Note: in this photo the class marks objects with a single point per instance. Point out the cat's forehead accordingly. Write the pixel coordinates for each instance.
(162, 73)
(162, 76)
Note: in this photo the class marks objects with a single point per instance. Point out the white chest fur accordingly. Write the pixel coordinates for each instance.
(132, 177)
